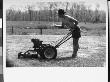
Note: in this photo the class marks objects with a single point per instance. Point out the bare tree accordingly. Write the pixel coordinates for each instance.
(50, 4)
(48, 12)
(10, 14)
(30, 11)
(96, 17)
(67, 5)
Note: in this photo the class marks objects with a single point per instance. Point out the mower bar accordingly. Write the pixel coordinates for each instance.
(64, 39)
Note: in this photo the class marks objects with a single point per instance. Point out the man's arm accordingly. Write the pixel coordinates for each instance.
(59, 26)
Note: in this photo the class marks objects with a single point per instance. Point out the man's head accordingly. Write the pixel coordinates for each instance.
(61, 13)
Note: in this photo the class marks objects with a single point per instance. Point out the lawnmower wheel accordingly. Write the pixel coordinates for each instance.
(20, 54)
(49, 52)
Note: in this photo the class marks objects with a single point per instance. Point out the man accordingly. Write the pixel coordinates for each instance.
(71, 23)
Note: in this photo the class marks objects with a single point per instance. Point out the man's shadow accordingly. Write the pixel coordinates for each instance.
(64, 58)
(57, 59)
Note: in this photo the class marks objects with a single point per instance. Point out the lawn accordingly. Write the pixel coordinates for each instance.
(92, 52)
(34, 24)
(20, 28)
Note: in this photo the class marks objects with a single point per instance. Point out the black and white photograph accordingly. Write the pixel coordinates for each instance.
(55, 41)
(56, 34)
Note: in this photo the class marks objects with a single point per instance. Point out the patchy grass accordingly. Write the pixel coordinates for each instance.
(31, 27)
(92, 52)
(34, 24)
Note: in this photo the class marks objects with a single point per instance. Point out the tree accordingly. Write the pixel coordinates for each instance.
(97, 16)
(83, 12)
(48, 12)
(66, 6)
(10, 14)
(51, 5)
(30, 11)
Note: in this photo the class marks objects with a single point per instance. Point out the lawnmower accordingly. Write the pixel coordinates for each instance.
(45, 51)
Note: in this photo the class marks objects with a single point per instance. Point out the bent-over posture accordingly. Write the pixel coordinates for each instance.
(71, 23)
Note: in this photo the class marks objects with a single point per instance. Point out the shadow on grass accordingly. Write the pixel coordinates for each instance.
(64, 58)
(63, 61)
(9, 63)
(1, 78)
(43, 60)
(57, 59)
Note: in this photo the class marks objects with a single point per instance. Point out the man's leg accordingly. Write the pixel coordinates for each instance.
(75, 47)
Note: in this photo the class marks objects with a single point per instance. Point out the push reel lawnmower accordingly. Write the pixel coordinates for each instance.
(45, 51)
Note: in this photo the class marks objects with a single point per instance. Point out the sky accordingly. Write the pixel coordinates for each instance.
(22, 3)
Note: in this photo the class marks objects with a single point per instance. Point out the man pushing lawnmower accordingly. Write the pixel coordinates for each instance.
(47, 51)
(71, 23)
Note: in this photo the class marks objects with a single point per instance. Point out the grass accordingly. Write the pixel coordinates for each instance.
(92, 52)
(34, 24)
(19, 27)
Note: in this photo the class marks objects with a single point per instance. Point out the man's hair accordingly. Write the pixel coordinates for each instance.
(61, 12)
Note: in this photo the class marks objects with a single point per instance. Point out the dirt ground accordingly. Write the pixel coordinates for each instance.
(92, 52)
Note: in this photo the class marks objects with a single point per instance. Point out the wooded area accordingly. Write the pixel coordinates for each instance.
(47, 11)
